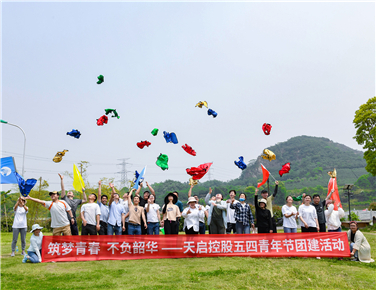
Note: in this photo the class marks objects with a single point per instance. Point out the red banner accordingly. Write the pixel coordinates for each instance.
(88, 248)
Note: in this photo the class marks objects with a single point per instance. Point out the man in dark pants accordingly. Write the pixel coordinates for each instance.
(320, 207)
(144, 201)
(102, 202)
(269, 204)
(90, 215)
(73, 203)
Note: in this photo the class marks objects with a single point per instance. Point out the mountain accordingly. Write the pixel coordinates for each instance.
(311, 158)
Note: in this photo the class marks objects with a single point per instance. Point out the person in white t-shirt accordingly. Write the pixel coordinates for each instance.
(202, 230)
(58, 209)
(290, 215)
(192, 215)
(90, 215)
(153, 216)
(19, 224)
(124, 202)
(308, 216)
(231, 222)
(333, 217)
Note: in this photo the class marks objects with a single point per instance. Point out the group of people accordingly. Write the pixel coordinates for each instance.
(136, 215)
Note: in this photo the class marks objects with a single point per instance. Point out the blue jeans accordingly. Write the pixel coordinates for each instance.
(337, 230)
(290, 230)
(134, 229)
(113, 229)
(33, 257)
(356, 252)
(202, 228)
(242, 229)
(153, 228)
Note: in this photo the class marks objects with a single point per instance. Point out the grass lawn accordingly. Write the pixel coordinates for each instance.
(193, 273)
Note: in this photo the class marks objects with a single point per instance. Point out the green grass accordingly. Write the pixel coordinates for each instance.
(192, 273)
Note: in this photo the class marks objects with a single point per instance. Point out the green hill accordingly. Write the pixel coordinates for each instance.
(310, 157)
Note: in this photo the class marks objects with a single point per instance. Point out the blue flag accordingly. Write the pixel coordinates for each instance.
(7, 171)
(139, 178)
(25, 186)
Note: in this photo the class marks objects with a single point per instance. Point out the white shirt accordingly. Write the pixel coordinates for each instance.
(289, 222)
(152, 215)
(36, 244)
(91, 210)
(193, 219)
(231, 212)
(126, 208)
(333, 217)
(308, 213)
(202, 220)
(58, 213)
(20, 221)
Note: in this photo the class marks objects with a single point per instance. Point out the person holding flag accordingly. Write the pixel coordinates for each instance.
(73, 203)
(265, 194)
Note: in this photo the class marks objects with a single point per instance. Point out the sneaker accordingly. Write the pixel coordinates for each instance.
(12, 255)
(318, 258)
(23, 253)
(25, 258)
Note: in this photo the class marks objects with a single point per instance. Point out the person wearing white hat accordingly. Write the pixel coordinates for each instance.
(192, 215)
(34, 251)
(263, 216)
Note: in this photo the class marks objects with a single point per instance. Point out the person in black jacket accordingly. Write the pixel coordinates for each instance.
(263, 216)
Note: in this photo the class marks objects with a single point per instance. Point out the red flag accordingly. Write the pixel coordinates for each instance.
(285, 169)
(199, 172)
(265, 176)
(335, 196)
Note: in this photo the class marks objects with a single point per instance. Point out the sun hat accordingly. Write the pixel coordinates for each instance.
(35, 227)
(191, 199)
(173, 195)
(263, 200)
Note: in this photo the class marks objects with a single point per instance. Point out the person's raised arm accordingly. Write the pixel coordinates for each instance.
(35, 200)
(190, 191)
(152, 191)
(139, 189)
(112, 193)
(207, 198)
(17, 203)
(329, 195)
(99, 190)
(84, 197)
(62, 185)
(275, 188)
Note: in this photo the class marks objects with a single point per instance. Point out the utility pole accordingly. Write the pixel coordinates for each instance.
(124, 172)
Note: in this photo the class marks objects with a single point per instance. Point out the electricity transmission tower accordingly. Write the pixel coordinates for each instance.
(124, 172)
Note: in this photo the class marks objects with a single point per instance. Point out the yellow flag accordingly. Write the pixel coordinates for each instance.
(78, 182)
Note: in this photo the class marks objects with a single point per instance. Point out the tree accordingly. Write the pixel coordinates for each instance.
(4, 197)
(365, 123)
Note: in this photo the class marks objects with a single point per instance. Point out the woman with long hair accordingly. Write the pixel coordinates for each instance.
(171, 213)
(308, 216)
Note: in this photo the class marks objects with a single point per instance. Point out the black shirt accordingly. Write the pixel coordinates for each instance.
(320, 210)
(263, 216)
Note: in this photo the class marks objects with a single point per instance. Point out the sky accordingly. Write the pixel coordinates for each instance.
(305, 68)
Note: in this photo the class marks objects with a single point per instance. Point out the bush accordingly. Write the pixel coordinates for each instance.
(372, 206)
(4, 224)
